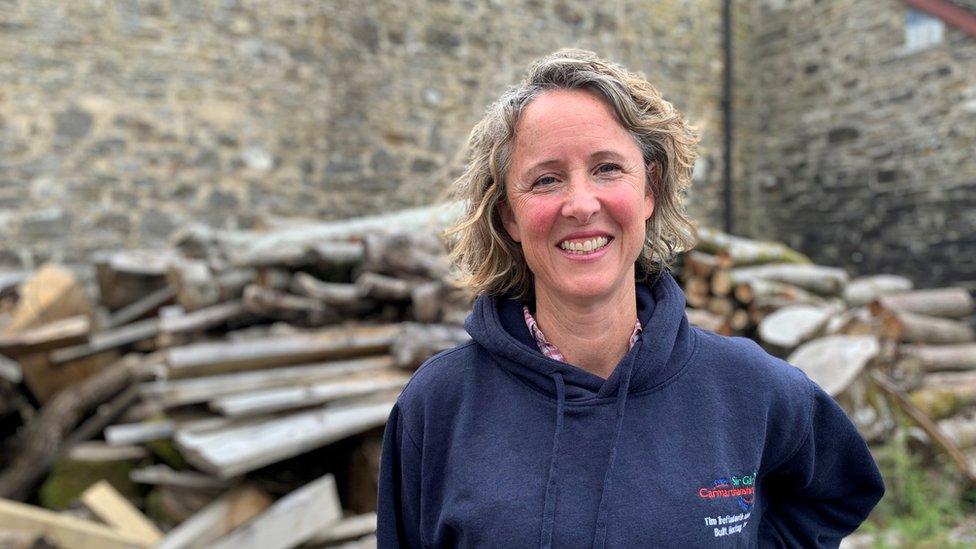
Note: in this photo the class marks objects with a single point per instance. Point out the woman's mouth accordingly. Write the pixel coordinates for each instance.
(584, 246)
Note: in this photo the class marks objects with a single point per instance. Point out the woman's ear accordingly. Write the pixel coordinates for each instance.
(508, 220)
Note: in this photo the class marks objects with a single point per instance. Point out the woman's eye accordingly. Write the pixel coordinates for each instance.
(545, 180)
(608, 168)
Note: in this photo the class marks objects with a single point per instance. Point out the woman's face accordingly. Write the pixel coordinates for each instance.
(577, 197)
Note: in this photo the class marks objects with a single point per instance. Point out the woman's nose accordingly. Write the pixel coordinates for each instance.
(581, 202)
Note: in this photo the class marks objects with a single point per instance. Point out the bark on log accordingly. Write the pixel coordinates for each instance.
(940, 302)
(744, 251)
(280, 305)
(701, 264)
(944, 394)
(931, 428)
(815, 278)
(142, 308)
(862, 291)
(913, 328)
(934, 358)
(418, 342)
(384, 288)
(708, 321)
(42, 437)
(339, 295)
(960, 429)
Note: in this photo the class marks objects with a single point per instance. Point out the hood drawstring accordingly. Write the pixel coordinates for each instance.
(600, 533)
(549, 510)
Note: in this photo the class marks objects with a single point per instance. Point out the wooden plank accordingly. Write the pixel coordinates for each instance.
(331, 343)
(190, 391)
(63, 530)
(108, 340)
(52, 293)
(223, 515)
(238, 449)
(291, 521)
(143, 307)
(110, 506)
(286, 398)
(163, 475)
(202, 319)
(135, 433)
(59, 333)
(348, 528)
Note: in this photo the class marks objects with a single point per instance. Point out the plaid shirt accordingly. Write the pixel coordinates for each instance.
(549, 349)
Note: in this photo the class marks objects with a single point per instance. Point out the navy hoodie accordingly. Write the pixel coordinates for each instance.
(695, 440)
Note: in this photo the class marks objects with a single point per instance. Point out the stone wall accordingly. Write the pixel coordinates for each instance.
(122, 120)
(862, 153)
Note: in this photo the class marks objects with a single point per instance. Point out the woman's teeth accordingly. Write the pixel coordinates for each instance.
(584, 246)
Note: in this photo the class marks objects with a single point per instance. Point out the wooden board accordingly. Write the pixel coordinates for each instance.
(63, 530)
(216, 519)
(52, 293)
(291, 521)
(109, 505)
(239, 449)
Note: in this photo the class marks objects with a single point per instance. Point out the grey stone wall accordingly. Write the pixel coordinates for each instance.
(862, 153)
(122, 120)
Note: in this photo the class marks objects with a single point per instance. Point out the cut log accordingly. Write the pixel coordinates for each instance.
(790, 326)
(701, 265)
(862, 291)
(405, 254)
(217, 519)
(332, 254)
(108, 504)
(384, 288)
(944, 394)
(290, 521)
(126, 276)
(239, 449)
(427, 300)
(930, 427)
(744, 251)
(761, 291)
(834, 362)
(815, 278)
(340, 295)
(103, 416)
(46, 379)
(721, 306)
(191, 391)
(279, 305)
(53, 293)
(721, 283)
(914, 328)
(195, 284)
(708, 321)
(418, 342)
(934, 358)
(961, 430)
(331, 343)
(60, 529)
(940, 302)
(44, 434)
(288, 398)
(697, 292)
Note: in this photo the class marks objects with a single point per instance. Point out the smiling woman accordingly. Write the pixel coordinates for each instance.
(586, 411)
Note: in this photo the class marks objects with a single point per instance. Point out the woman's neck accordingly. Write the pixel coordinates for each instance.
(593, 335)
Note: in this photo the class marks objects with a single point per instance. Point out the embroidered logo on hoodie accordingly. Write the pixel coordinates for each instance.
(741, 488)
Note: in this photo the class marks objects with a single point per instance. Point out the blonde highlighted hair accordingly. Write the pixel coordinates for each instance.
(484, 257)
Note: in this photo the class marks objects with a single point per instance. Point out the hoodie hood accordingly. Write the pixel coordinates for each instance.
(498, 324)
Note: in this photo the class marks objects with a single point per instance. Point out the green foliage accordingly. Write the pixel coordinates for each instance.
(921, 504)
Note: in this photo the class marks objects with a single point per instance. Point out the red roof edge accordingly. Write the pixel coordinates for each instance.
(952, 14)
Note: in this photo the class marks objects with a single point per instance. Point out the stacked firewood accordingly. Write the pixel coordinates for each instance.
(882, 349)
(228, 390)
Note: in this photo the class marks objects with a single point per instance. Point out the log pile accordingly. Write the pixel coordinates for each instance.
(230, 391)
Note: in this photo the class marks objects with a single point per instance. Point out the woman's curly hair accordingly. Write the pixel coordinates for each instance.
(483, 256)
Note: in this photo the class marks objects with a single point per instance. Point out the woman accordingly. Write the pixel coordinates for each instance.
(586, 412)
